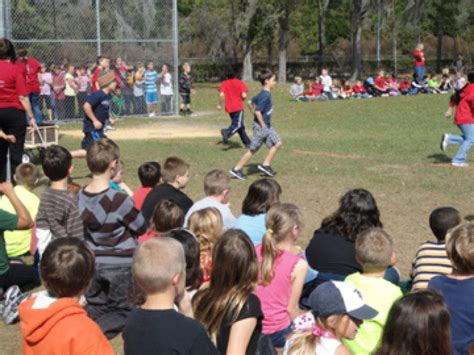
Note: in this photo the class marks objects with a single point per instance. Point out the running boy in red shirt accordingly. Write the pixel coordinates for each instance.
(232, 93)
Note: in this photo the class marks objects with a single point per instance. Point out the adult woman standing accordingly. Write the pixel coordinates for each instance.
(14, 102)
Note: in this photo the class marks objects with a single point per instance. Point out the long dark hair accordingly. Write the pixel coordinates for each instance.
(262, 195)
(418, 324)
(7, 50)
(357, 212)
(234, 276)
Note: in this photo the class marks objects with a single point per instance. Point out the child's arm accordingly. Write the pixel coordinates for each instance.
(132, 218)
(126, 188)
(24, 217)
(91, 117)
(298, 276)
(259, 116)
(221, 101)
(240, 334)
(251, 107)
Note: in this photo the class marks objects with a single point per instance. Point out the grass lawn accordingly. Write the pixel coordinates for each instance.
(389, 146)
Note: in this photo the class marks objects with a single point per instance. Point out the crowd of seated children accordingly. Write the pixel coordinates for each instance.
(325, 88)
(212, 290)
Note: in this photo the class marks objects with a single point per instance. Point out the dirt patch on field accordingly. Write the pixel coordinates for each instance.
(329, 154)
(159, 130)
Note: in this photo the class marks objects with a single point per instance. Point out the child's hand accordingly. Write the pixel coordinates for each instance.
(6, 188)
(448, 113)
(219, 107)
(10, 138)
(97, 125)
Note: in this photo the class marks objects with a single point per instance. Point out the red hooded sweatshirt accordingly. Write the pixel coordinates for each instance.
(59, 327)
(465, 109)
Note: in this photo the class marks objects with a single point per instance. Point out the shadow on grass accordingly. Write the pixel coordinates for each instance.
(469, 217)
(230, 145)
(439, 158)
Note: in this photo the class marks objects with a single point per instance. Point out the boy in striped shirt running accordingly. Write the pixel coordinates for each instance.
(151, 89)
(431, 258)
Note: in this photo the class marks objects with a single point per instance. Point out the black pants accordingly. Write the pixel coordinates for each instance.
(237, 126)
(12, 121)
(25, 276)
(108, 298)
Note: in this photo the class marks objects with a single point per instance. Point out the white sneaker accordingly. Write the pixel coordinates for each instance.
(444, 142)
(151, 114)
(460, 165)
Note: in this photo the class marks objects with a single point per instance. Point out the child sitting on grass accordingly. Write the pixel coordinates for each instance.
(53, 222)
(282, 272)
(167, 216)
(112, 224)
(53, 321)
(297, 89)
(149, 174)
(431, 258)
(117, 183)
(458, 287)
(337, 311)
(159, 271)
(26, 176)
(175, 175)
(374, 252)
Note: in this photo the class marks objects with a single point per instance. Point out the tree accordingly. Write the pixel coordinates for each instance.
(359, 12)
(323, 7)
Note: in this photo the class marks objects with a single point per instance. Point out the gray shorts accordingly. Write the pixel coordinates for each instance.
(263, 135)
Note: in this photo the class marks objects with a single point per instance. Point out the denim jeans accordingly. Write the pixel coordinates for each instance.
(466, 140)
(420, 72)
(35, 107)
(279, 338)
(108, 298)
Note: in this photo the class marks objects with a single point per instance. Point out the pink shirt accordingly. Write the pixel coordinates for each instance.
(274, 298)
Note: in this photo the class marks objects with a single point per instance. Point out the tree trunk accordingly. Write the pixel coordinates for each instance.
(378, 32)
(394, 45)
(282, 48)
(358, 13)
(247, 71)
(323, 5)
(439, 48)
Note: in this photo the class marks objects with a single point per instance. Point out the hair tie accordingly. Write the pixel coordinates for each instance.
(270, 231)
(320, 332)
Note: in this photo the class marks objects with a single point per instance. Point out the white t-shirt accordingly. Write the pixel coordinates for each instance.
(227, 217)
(325, 346)
(326, 81)
(166, 87)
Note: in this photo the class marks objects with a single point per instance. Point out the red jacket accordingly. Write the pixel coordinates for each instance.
(59, 327)
(12, 85)
(465, 110)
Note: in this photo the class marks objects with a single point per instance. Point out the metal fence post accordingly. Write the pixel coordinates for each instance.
(5, 25)
(97, 23)
(175, 55)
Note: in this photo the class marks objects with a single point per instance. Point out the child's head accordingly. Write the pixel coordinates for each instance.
(418, 323)
(359, 83)
(233, 277)
(67, 267)
(175, 171)
(56, 162)
(420, 46)
(191, 251)
(381, 73)
(229, 73)
(103, 61)
(102, 156)
(117, 173)
(107, 80)
(267, 78)
(159, 266)
(460, 248)
(262, 195)
(70, 69)
(207, 225)
(186, 67)
(443, 219)
(149, 174)
(140, 66)
(149, 65)
(26, 175)
(217, 183)
(165, 68)
(317, 80)
(298, 80)
(284, 222)
(374, 250)
(324, 72)
(470, 77)
(167, 216)
(338, 309)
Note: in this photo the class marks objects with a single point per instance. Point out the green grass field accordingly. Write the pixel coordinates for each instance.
(389, 146)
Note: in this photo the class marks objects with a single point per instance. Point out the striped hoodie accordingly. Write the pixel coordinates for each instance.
(112, 224)
(431, 260)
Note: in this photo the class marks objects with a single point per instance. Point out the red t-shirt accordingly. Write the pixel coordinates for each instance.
(232, 90)
(419, 58)
(404, 85)
(359, 89)
(31, 68)
(139, 196)
(380, 83)
(465, 109)
(94, 79)
(12, 85)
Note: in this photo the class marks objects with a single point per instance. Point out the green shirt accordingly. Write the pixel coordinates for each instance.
(379, 294)
(18, 242)
(8, 221)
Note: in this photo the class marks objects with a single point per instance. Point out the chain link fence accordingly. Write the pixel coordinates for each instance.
(62, 34)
